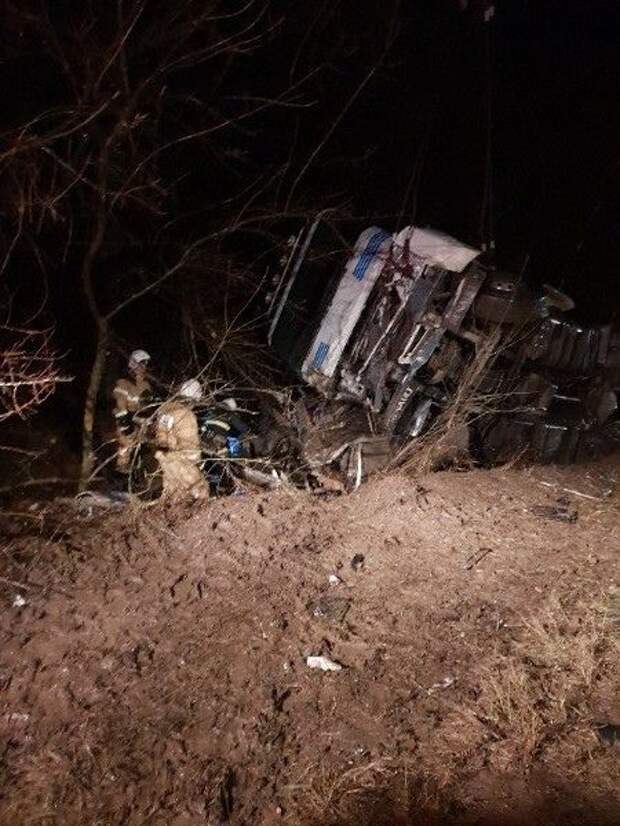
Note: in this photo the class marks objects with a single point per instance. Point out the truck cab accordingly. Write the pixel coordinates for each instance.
(398, 323)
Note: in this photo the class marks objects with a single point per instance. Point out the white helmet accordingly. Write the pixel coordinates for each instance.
(191, 390)
(229, 404)
(139, 357)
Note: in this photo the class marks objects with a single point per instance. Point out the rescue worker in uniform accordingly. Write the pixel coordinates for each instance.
(130, 395)
(177, 438)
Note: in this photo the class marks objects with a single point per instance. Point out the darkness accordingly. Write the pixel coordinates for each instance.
(410, 113)
(553, 77)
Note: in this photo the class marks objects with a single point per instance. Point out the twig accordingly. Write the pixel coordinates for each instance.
(476, 558)
(54, 480)
(331, 130)
(202, 133)
(573, 492)
(22, 451)
(120, 46)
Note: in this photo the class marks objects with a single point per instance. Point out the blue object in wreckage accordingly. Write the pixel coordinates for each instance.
(235, 449)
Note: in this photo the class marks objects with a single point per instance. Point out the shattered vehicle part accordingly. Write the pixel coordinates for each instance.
(260, 478)
(384, 321)
(407, 388)
(463, 299)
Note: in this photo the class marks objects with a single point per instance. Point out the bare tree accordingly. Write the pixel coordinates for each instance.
(29, 370)
(107, 167)
(129, 174)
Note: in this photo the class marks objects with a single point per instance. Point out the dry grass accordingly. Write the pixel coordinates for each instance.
(538, 701)
(532, 707)
(333, 796)
(444, 440)
(381, 793)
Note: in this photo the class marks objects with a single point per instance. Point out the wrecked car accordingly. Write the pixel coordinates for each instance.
(393, 325)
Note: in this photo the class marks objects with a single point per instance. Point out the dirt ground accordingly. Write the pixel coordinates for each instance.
(153, 662)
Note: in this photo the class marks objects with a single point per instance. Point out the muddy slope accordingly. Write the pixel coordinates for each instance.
(153, 664)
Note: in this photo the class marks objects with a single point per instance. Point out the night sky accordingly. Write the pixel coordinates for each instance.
(551, 73)
(416, 108)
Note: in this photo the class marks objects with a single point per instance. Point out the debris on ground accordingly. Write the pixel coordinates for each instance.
(323, 663)
(331, 608)
(562, 512)
(447, 682)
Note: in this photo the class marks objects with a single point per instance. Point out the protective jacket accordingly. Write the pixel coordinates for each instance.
(129, 398)
(178, 438)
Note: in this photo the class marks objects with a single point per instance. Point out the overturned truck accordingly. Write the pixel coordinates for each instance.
(397, 327)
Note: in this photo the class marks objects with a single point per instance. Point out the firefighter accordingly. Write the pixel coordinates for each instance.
(177, 438)
(130, 395)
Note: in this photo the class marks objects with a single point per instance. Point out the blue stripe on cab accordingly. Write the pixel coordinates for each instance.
(372, 247)
(321, 354)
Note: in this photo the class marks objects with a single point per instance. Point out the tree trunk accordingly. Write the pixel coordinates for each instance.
(101, 323)
(90, 403)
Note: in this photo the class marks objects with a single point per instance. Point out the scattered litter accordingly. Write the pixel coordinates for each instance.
(562, 512)
(477, 557)
(334, 580)
(19, 601)
(447, 682)
(331, 608)
(357, 563)
(323, 663)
